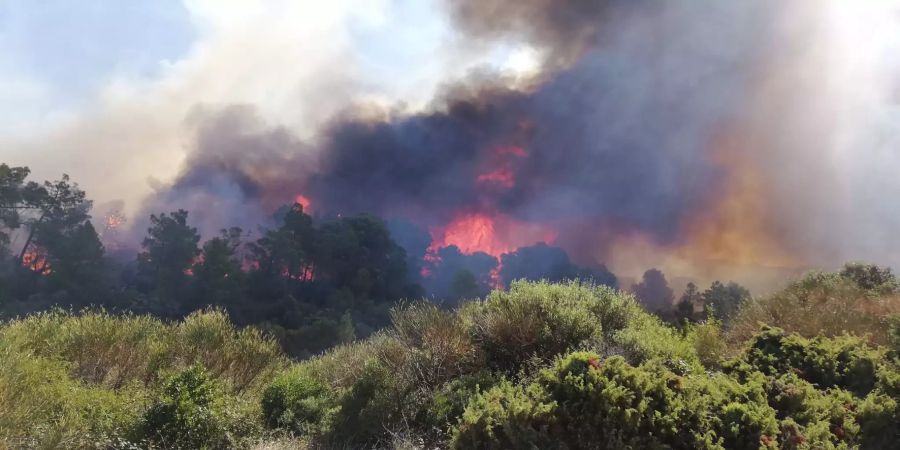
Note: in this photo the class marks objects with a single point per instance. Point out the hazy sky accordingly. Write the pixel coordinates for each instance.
(105, 89)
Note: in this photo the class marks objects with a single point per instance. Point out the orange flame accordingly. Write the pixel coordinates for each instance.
(35, 260)
(303, 201)
(494, 235)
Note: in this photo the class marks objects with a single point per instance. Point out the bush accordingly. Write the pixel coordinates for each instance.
(844, 362)
(370, 410)
(450, 401)
(188, 413)
(879, 415)
(41, 407)
(820, 303)
(583, 402)
(811, 417)
(434, 346)
(113, 350)
(507, 416)
(533, 319)
(298, 402)
(610, 404)
(709, 343)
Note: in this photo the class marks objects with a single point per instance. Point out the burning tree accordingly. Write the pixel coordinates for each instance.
(53, 218)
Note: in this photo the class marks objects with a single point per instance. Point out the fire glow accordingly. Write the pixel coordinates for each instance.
(303, 201)
(35, 261)
(502, 162)
(495, 235)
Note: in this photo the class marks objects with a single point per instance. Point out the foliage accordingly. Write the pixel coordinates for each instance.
(819, 303)
(871, 278)
(532, 319)
(724, 300)
(844, 362)
(187, 414)
(543, 262)
(169, 251)
(654, 292)
(586, 402)
(709, 343)
(298, 402)
(685, 309)
(88, 380)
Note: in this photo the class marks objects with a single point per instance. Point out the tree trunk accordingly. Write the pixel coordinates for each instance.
(28, 241)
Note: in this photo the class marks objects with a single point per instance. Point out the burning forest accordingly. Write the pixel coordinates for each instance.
(632, 144)
(496, 224)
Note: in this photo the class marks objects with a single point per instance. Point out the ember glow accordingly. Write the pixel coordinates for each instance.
(502, 166)
(35, 260)
(303, 201)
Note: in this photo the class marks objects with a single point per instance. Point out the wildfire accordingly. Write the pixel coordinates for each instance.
(489, 232)
(113, 222)
(471, 233)
(494, 235)
(36, 261)
(502, 164)
(303, 201)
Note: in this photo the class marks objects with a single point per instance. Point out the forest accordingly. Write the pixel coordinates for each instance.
(322, 333)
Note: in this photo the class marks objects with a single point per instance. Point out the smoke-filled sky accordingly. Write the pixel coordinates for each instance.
(741, 138)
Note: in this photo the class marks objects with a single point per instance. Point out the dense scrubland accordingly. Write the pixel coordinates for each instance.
(540, 365)
(295, 339)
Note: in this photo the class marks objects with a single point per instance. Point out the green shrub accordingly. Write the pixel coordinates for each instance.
(893, 340)
(449, 402)
(41, 407)
(879, 416)
(845, 362)
(809, 417)
(874, 279)
(370, 410)
(240, 358)
(533, 319)
(647, 337)
(610, 404)
(113, 350)
(709, 343)
(583, 402)
(507, 416)
(99, 347)
(298, 402)
(188, 413)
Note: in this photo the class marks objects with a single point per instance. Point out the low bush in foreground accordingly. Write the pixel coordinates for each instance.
(97, 380)
(556, 366)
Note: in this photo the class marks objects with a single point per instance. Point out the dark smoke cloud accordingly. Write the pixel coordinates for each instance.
(623, 135)
(561, 27)
(616, 134)
(239, 172)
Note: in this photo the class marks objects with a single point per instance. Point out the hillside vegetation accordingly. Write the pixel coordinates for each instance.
(540, 365)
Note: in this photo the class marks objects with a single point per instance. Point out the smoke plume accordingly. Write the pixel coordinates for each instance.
(708, 139)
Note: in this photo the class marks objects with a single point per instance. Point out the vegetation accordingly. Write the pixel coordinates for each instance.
(97, 380)
(297, 340)
(542, 365)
